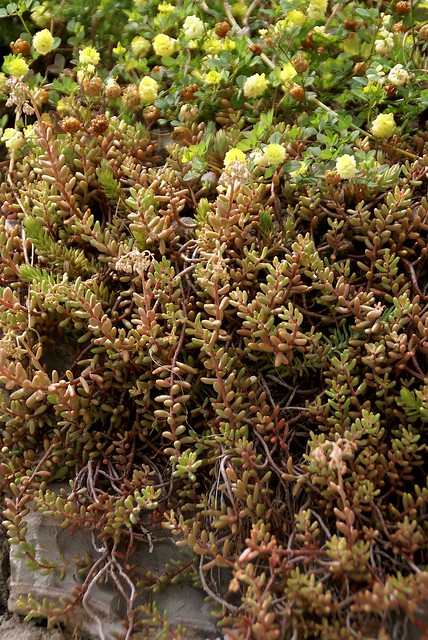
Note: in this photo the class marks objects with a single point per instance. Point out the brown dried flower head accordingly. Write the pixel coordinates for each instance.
(20, 46)
(403, 7)
(92, 86)
(297, 93)
(70, 124)
(255, 49)
(131, 96)
(300, 64)
(113, 90)
(222, 28)
(41, 96)
(151, 114)
(99, 124)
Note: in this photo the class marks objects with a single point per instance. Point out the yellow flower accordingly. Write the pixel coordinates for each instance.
(140, 46)
(383, 125)
(89, 55)
(228, 44)
(165, 7)
(43, 42)
(295, 18)
(213, 77)
(13, 139)
(193, 27)
(346, 167)
(287, 73)
(255, 85)
(274, 154)
(41, 16)
(213, 45)
(233, 155)
(17, 67)
(148, 89)
(119, 49)
(317, 9)
(163, 45)
(239, 10)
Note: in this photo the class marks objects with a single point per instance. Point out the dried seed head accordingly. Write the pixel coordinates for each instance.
(297, 93)
(308, 42)
(151, 114)
(99, 124)
(131, 96)
(221, 28)
(255, 49)
(181, 133)
(41, 96)
(360, 68)
(403, 7)
(93, 86)
(300, 64)
(399, 27)
(70, 124)
(188, 112)
(423, 32)
(113, 90)
(20, 46)
(332, 177)
(350, 24)
(389, 90)
(187, 93)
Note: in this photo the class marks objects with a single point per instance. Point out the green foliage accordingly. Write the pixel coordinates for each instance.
(238, 300)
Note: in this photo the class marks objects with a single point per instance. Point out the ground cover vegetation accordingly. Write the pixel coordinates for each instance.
(217, 214)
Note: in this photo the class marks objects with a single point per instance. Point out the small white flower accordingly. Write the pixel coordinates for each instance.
(398, 76)
(193, 27)
(376, 75)
(385, 43)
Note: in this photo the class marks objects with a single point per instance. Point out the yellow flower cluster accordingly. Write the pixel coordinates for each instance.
(384, 125)
(148, 89)
(17, 67)
(89, 56)
(13, 139)
(213, 77)
(234, 155)
(43, 42)
(288, 72)
(346, 167)
(163, 45)
(193, 27)
(213, 44)
(255, 85)
(140, 46)
(317, 9)
(294, 18)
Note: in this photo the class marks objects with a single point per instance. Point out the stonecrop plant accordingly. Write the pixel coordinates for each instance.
(214, 301)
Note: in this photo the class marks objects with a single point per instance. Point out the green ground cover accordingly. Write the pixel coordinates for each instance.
(219, 211)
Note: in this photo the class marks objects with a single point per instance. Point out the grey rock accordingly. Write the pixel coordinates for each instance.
(104, 608)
